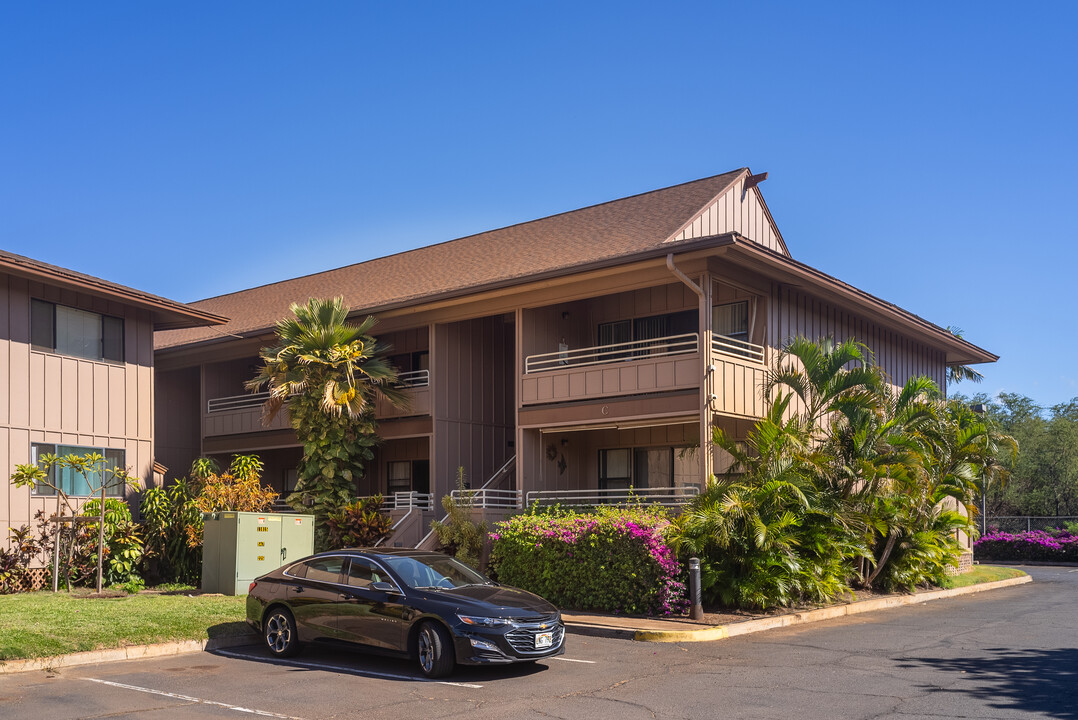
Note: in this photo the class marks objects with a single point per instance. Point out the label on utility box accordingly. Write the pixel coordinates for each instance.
(261, 558)
(299, 521)
(263, 528)
(261, 544)
(261, 521)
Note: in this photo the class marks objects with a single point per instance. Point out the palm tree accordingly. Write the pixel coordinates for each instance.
(329, 374)
(827, 377)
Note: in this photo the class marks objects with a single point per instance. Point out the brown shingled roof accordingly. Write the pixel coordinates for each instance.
(560, 242)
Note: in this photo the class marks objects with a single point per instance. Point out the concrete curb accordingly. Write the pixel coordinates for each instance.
(721, 632)
(131, 652)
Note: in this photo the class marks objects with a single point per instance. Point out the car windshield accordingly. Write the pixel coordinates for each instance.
(433, 572)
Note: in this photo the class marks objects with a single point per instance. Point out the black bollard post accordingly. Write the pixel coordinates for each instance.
(696, 612)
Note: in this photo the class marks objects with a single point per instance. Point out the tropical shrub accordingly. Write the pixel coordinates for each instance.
(122, 542)
(1058, 545)
(169, 517)
(458, 534)
(359, 524)
(765, 534)
(609, 559)
(16, 559)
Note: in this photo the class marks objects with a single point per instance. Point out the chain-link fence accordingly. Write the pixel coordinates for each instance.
(1025, 523)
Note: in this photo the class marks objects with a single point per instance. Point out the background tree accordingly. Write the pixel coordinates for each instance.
(328, 373)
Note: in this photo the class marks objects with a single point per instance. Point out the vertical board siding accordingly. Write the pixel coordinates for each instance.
(473, 399)
(737, 210)
(61, 399)
(793, 313)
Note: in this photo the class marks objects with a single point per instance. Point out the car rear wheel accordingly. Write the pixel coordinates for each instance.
(279, 632)
(434, 648)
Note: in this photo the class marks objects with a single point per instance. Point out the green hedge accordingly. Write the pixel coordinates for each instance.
(607, 560)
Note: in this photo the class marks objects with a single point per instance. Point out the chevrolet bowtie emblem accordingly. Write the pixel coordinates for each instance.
(543, 626)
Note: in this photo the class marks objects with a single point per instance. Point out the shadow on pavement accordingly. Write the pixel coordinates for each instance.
(231, 629)
(328, 658)
(1036, 681)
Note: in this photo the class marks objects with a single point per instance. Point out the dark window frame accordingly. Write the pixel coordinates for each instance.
(113, 490)
(112, 347)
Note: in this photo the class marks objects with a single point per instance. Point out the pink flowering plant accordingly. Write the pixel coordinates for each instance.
(1061, 545)
(606, 559)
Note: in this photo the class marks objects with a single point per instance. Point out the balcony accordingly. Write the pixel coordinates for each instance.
(237, 414)
(417, 382)
(740, 373)
(629, 368)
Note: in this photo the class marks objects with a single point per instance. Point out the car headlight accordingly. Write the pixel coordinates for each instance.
(483, 621)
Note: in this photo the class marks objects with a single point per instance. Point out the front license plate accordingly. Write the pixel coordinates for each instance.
(544, 640)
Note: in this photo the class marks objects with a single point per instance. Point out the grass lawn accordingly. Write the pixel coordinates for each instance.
(41, 624)
(981, 574)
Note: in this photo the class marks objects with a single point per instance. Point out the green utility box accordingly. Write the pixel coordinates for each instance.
(237, 547)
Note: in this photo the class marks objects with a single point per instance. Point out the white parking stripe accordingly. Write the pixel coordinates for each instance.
(188, 698)
(565, 659)
(341, 668)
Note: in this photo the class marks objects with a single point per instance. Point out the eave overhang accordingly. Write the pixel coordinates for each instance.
(167, 314)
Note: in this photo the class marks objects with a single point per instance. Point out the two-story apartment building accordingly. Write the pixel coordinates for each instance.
(571, 357)
(76, 375)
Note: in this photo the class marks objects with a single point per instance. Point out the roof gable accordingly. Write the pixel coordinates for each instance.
(556, 244)
(735, 210)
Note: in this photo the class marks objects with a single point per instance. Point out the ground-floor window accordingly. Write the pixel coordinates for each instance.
(654, 467)
(408, 476)
(73, 483)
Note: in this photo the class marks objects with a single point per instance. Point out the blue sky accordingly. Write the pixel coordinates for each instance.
(924, 152)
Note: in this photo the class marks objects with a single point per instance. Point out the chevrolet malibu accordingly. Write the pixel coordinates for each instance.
(407, 603)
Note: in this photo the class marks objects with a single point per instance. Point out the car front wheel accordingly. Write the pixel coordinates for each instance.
(434, 648)
(279, 632)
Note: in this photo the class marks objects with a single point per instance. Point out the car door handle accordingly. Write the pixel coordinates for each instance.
(298, 588)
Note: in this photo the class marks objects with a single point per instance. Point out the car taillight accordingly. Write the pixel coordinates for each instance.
(252, 586)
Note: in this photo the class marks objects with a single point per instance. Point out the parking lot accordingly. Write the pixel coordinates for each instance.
(1008, 653)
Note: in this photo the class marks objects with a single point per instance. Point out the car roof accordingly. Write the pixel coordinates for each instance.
(400, 552)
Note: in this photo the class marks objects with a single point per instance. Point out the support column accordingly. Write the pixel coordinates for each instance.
(518, 370)
(708, 383)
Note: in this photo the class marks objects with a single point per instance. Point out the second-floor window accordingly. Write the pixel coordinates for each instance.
(69, 331)
(731, 320)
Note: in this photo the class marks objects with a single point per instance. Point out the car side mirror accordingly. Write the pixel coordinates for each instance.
(383, 587)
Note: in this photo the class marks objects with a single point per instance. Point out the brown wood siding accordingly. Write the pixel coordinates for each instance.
(793, 313)
(177, 421)
(60, 399)
(375, 480)
(473, 400)
(735, 211)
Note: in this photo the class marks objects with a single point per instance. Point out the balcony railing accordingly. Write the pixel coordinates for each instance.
(488, 499)
(617, 352)
(667, 497)
(394, 501)
(414, 379)
(236, 402)
(726, 345)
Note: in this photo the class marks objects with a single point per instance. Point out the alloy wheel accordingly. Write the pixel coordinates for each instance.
(278, 632)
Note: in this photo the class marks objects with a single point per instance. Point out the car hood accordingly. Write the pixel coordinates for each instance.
(496, 600)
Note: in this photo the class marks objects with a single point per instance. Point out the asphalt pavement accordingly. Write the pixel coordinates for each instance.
(1010, 653)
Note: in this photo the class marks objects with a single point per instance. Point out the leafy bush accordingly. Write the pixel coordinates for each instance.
(15, 560)
(1059, 545)
(169, 516)
(459, 535)
(122, 542)
(360, 524)
(610, 559)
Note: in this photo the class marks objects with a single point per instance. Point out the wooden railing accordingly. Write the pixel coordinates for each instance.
(615, 352)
